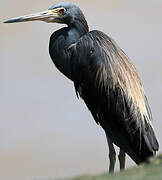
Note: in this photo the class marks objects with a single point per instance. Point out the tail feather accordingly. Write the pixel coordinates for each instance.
(148, 145)
(150, 138)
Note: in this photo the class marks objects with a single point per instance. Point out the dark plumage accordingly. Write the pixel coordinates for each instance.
(106, 80)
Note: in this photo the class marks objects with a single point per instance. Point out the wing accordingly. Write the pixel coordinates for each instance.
(111, 88)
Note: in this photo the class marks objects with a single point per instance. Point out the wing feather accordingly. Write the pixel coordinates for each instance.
(112, 90)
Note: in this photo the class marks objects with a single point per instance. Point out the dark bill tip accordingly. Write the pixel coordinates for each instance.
(14, 20)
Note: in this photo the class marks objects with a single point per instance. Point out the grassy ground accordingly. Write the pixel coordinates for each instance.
(148, 171)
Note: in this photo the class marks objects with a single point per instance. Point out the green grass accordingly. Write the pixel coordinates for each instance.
(152, 170)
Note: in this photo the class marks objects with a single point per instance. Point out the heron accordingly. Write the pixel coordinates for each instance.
(105, 79)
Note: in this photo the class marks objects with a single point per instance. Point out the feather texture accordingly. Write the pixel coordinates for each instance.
(113, 92)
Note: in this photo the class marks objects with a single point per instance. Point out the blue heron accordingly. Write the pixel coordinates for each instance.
(105, 79)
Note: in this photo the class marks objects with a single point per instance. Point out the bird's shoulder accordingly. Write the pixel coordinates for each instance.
(97, 47)
(93, 39)
(94, 35)
(90, 48)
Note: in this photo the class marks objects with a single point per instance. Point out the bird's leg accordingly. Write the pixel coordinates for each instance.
(112, 155)
(121, 158)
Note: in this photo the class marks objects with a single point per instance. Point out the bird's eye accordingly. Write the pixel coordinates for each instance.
(62, 11)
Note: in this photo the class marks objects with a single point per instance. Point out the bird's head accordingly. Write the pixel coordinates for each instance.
(66, 13)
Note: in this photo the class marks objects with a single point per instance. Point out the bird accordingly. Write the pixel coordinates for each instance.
(104, 77)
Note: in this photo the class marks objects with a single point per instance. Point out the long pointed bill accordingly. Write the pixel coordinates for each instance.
(46, 16)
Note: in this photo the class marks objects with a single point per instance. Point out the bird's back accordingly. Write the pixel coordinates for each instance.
(112, 90)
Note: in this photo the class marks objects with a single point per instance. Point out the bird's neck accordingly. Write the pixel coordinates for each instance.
(60, 42)
(80, 25)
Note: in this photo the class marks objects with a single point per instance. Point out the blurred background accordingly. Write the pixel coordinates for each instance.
(45, 131)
